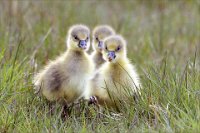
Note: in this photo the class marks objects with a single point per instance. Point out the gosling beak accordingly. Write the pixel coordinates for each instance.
(111, 55)
(82, 44)
(100, 45)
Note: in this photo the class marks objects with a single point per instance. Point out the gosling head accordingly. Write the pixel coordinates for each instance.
(78, 38)
(114, 49)
(99, 34)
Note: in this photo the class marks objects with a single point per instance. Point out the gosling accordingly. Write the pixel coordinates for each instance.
(117, 79)
(66, 78)
(100, 33)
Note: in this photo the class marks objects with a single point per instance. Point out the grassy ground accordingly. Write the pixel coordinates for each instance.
(163, 42)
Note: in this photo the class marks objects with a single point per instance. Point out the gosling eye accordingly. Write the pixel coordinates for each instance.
(76, 38)
(118, 48)
(87, 39)
(106, 48)
(97, 39)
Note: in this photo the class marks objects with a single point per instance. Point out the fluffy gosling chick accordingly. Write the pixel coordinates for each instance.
(66, 78)
(100, 33)
(117, 80)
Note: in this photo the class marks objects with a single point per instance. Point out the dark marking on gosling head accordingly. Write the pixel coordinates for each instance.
(80, 32)
(102, 31)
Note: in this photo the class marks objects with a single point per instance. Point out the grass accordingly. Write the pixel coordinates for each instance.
(163, 42)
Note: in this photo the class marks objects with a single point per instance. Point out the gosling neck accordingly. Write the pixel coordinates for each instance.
(119, 62)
